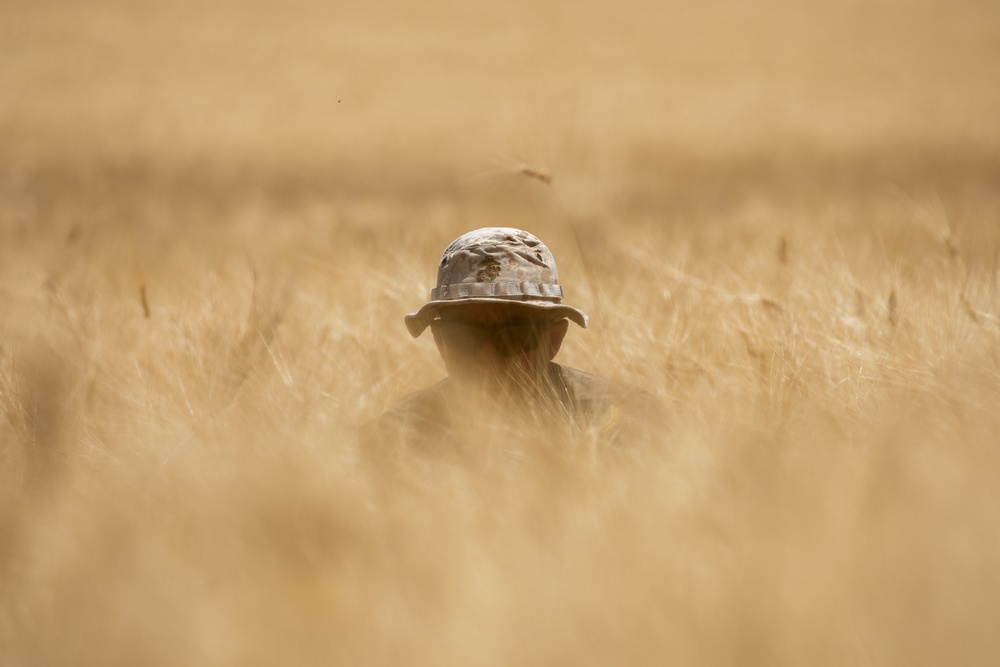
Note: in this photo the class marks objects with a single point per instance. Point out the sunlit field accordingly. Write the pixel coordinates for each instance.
(782, 218)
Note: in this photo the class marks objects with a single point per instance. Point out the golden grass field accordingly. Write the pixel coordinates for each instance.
(782, 217)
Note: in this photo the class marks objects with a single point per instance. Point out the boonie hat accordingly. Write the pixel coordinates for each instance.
(496, 265)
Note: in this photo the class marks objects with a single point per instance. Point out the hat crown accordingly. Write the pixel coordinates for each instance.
(494, 260)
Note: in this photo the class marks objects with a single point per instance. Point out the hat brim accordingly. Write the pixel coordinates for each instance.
(420, 320)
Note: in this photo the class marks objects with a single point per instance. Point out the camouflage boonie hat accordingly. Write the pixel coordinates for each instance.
(496, 265)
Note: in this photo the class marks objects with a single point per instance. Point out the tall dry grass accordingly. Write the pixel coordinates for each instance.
(783, 221)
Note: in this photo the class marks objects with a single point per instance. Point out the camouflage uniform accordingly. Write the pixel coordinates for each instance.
(504, 266)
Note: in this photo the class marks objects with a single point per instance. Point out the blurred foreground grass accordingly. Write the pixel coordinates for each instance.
(783, 222)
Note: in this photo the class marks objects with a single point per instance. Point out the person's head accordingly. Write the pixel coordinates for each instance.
(496, 313)
(497, 346)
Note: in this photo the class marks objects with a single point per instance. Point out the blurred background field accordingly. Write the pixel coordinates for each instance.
(783, 219)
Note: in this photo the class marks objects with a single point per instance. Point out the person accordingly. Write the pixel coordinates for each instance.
(498, 319)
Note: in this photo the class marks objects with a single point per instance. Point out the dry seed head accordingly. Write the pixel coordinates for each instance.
(143, 301)
(892, 305)
(537, 173)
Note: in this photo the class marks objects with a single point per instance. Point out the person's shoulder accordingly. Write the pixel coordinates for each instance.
(586, 387)
(615, 408)
(420, 403)
(414, 414)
